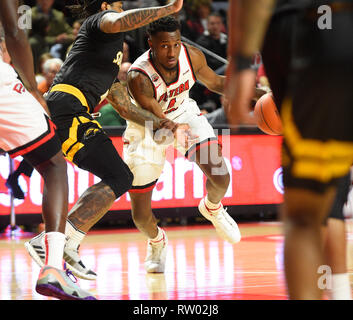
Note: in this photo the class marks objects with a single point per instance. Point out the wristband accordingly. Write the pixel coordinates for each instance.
(243, 62)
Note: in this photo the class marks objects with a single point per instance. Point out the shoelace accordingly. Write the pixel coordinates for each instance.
(70, 274)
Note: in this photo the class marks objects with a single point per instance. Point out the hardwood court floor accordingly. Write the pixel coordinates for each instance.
(200, 266)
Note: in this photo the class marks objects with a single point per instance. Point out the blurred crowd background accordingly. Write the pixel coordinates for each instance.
(204, 23)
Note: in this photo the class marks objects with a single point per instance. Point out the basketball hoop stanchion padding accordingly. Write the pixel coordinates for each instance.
(12, 229)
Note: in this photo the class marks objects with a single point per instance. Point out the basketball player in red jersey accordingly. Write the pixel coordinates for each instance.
(159, 81)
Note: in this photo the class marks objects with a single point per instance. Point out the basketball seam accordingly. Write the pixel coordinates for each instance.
(264, 120)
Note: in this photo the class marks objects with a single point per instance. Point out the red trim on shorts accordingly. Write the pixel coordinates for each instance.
(38, 143)
(142, 190)
(201, 145)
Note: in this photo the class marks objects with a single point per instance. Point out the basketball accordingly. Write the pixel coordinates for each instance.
(267, 116)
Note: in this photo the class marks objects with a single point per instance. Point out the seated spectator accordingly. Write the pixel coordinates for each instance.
(50, 68)
(59, 35)
(196, 24)
(214, 40)
(75, 29)
(40, 74)
(37, 38)
(218, 116)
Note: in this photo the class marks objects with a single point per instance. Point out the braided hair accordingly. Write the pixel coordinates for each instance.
(86, 8)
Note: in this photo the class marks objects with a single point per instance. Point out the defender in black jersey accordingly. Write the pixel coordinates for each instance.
(84, 80)
(310, 68)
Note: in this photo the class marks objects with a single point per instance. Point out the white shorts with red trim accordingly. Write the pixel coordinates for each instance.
(146, 158)
(22, 118)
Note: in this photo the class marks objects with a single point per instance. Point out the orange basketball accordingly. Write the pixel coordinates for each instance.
(267, 116)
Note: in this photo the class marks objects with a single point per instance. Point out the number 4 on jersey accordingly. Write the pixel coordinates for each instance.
(171, 106)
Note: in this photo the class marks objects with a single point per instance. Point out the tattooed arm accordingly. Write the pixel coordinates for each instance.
(136, 18)
(120, 100)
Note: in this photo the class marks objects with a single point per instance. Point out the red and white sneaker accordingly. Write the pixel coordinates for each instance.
(156, 255)
(225, 226)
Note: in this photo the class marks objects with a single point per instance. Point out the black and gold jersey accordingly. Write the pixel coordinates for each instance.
(91, 66)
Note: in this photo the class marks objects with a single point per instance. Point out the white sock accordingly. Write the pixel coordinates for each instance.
(54, 245)
(159, 237)
(74, 236)
(341, 288)
(211, 205)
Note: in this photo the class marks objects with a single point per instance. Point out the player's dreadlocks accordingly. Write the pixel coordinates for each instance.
(85, 8)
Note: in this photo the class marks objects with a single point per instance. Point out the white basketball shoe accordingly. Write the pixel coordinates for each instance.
(156, 255)
(225, 226)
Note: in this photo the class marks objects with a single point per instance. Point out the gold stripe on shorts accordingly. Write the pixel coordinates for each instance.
(315, 159)
(71, 90)
(70, 146)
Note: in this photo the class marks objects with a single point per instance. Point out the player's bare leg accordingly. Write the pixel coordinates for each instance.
(303, 250)
(146, 222)
(142, 214)
(55, 193)
(211, 162)
(52, 280)
(336, 258)
(92, 205)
